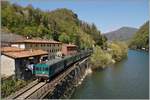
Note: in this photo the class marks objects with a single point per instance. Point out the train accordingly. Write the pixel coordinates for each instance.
(46, 71)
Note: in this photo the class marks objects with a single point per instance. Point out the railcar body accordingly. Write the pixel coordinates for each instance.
(45, 71)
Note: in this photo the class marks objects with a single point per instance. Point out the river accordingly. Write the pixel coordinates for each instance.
(126, 79)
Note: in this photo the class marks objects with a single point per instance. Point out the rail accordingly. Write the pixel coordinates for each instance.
(23, 90)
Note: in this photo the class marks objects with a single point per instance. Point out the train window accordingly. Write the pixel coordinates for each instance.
(46, 69)
(40, 69)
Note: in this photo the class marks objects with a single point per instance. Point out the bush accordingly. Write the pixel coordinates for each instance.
(10, 85)
(100, 58)
(118, 50)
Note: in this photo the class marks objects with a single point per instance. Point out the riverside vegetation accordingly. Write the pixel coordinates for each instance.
(102, 58)
(10, 85)
(141, 38)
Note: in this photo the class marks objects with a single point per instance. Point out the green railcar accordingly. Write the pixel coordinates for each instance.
(45, 71)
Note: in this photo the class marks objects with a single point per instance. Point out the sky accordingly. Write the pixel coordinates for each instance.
(107, 15)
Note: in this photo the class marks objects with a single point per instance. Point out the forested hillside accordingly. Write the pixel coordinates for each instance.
(60, 24)
(141, 38)
(121, 34)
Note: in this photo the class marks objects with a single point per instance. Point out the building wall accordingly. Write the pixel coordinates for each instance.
(52, 49)
(7, 66)
(64, 50)
(22, 46)
(69, 50)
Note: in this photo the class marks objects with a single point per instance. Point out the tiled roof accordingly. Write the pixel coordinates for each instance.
(10, 49)
(25, 53)
(37, 41)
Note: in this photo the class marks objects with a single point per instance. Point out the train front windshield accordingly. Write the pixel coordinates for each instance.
(41, 69)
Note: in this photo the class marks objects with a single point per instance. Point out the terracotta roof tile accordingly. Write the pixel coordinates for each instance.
(25, 53)
(10, 49)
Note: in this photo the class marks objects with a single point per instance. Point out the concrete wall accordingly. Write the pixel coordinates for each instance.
(7, 66)
(10, 66)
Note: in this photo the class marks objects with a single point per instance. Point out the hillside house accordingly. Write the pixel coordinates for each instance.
(69, 49)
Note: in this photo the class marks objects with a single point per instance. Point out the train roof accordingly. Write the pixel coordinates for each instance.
(53, 61)
(50, 62)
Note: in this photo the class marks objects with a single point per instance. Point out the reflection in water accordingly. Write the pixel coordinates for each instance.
(126, 79)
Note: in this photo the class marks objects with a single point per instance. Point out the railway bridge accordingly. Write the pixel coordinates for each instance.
(59, 87)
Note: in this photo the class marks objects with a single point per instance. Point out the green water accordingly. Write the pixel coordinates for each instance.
(126, 79)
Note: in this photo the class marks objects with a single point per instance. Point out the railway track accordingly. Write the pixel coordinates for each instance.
(23, 90)
(29, 92)
(40, 89)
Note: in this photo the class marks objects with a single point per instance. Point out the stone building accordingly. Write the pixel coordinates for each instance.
(52, 47)
(15, 61)
(69, 49)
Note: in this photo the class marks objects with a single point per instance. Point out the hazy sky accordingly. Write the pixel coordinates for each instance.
(107, 15)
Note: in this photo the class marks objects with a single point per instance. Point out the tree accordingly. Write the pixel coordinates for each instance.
(64, 38)
(118, 50)
(141, 38)
(100, 58)
(34, 22)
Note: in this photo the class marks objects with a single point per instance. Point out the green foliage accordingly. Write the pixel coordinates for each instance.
(118, 50)
(86, 41)
(10, 85)
(64, 38)
(100, 58)
(115, 52)
(28, 21)
(141, 38)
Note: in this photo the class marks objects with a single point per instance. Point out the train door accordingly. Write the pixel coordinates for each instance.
(51, 71)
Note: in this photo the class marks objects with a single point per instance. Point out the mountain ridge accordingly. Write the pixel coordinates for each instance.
(122, 34)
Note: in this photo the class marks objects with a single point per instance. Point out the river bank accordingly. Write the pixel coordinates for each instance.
(146, 50)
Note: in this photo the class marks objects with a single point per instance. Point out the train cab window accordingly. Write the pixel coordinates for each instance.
(37, 68)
